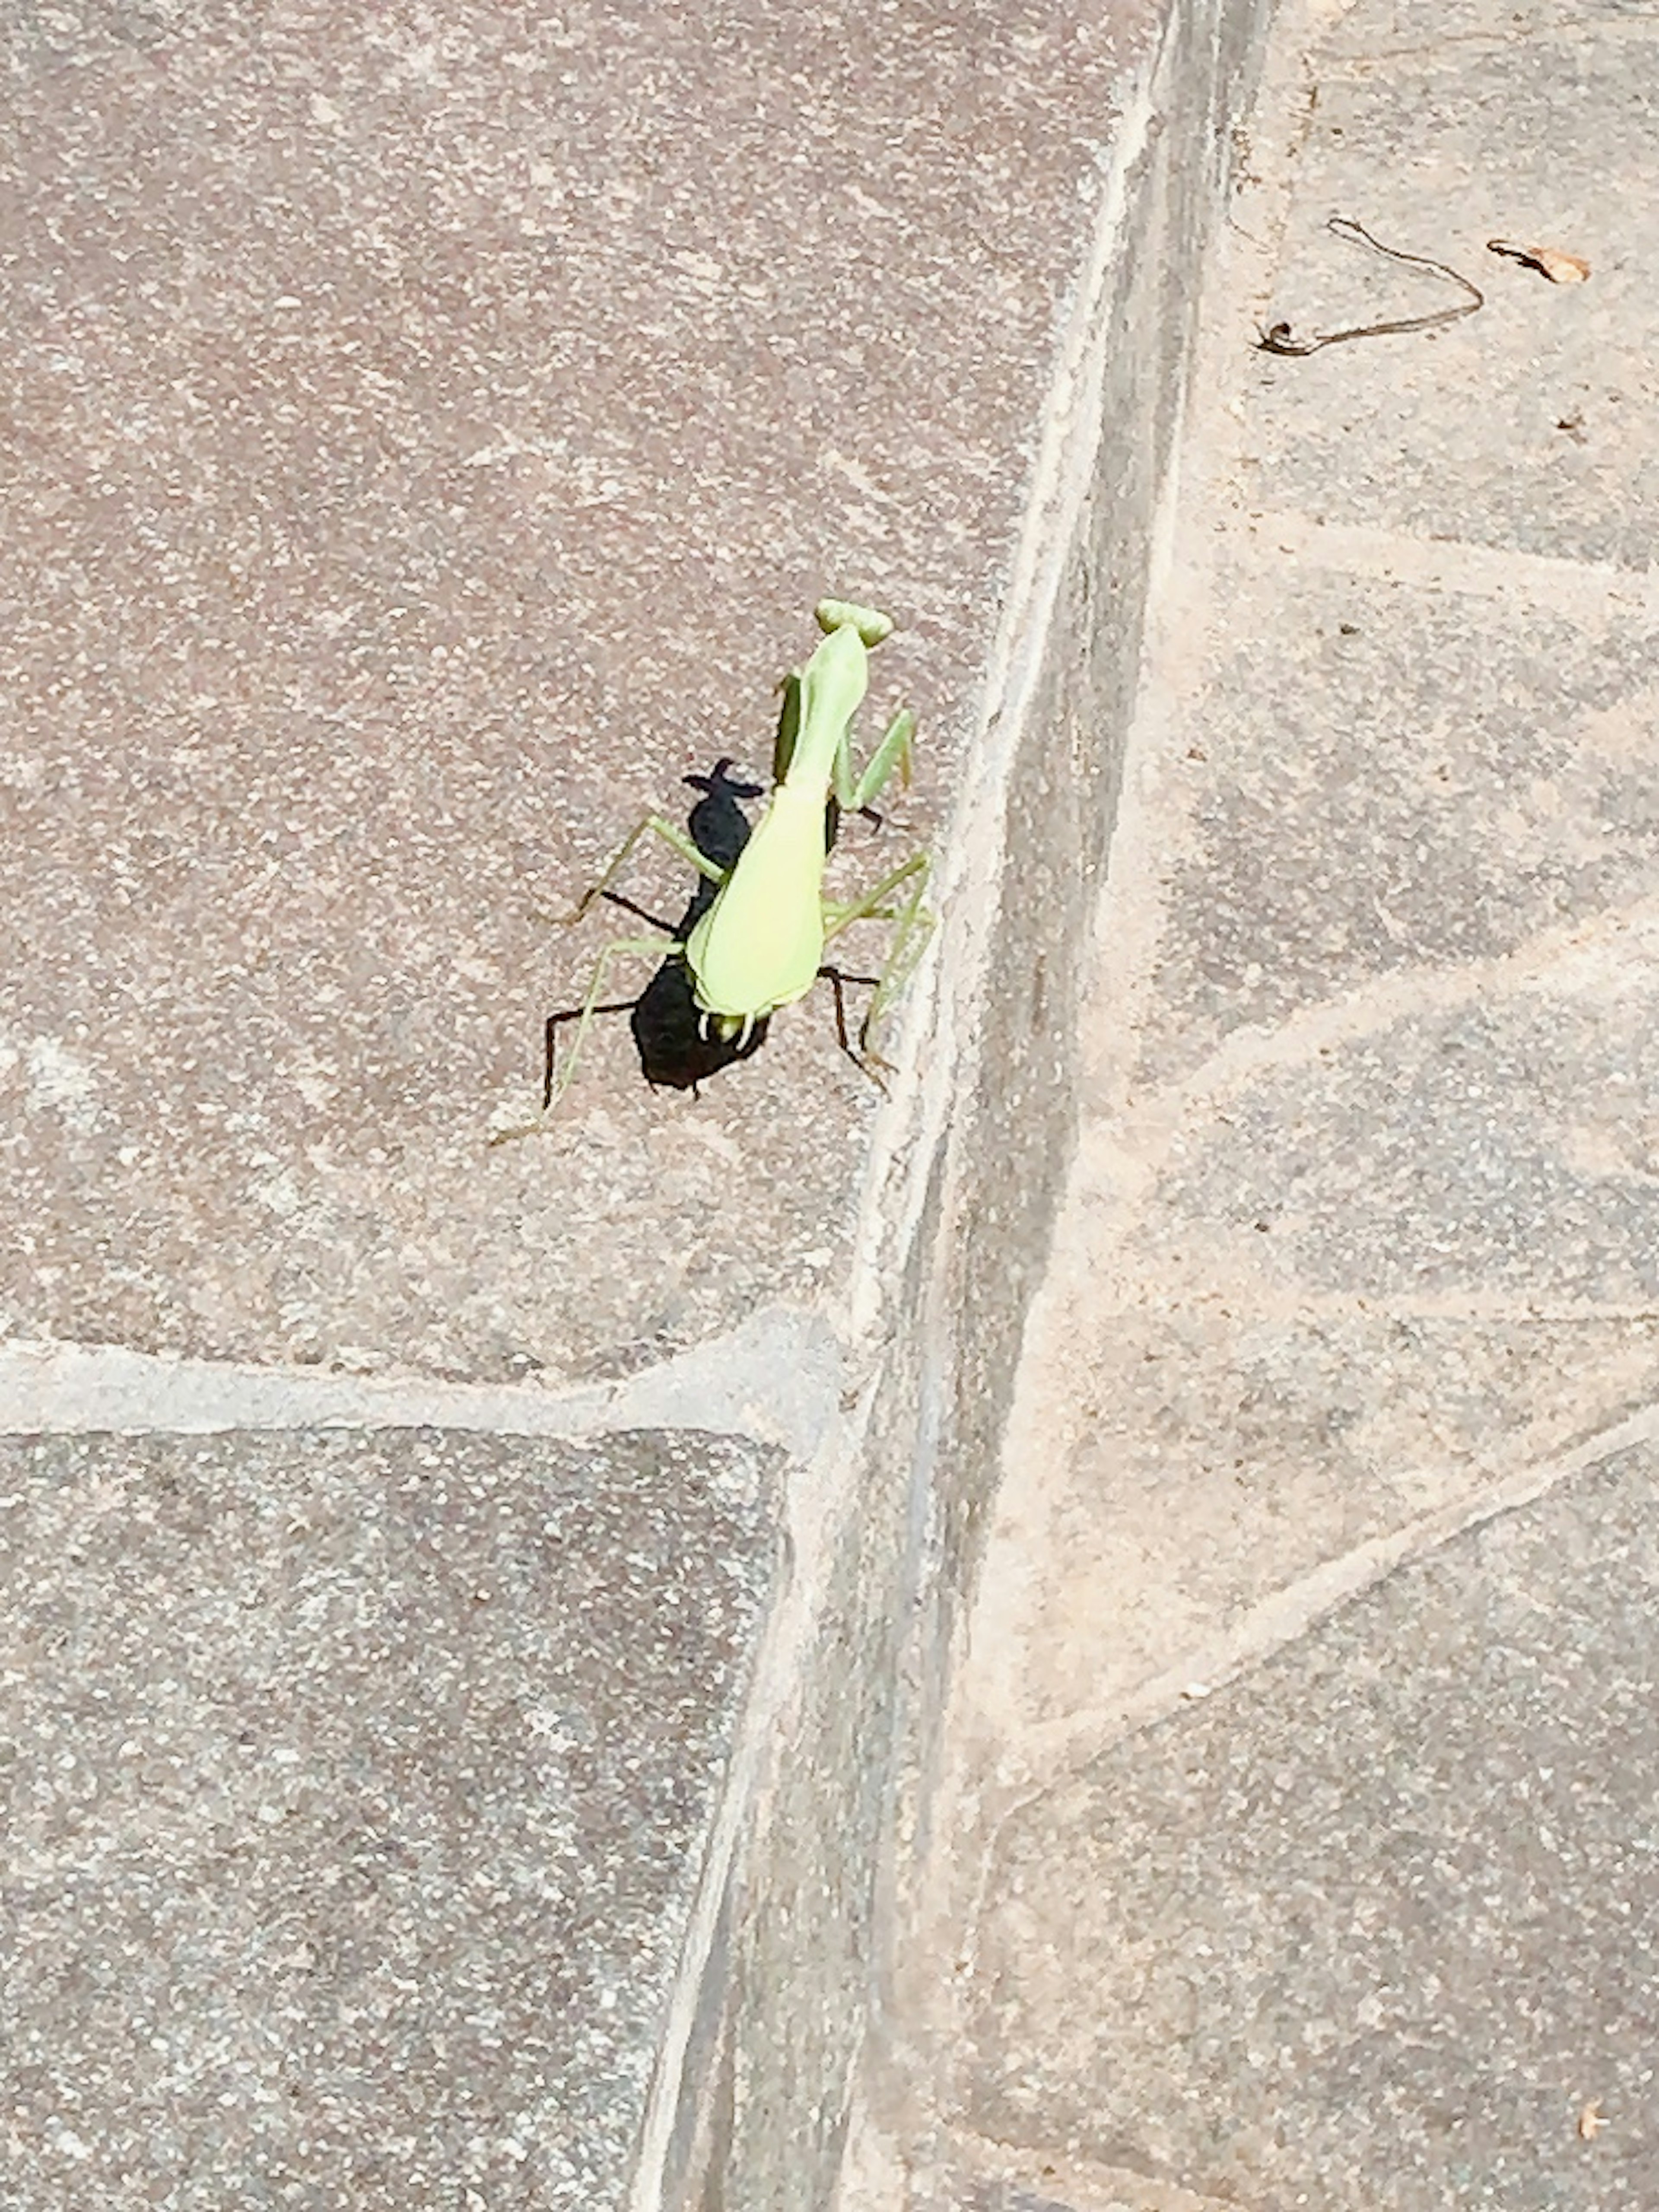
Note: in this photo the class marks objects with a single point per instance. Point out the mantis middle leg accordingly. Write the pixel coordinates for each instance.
(655, 825)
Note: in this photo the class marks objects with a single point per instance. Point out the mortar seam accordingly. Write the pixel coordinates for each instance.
(1377, 1003)
(1063, 1747)
(59, 1386)
(1565, 583)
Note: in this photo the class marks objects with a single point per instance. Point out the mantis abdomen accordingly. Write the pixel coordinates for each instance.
(761, 943)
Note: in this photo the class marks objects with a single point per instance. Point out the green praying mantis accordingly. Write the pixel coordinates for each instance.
(759, 942)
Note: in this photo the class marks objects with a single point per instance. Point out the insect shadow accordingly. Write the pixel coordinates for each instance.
(678, 1046)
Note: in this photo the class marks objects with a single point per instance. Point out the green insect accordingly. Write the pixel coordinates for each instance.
(759, 943)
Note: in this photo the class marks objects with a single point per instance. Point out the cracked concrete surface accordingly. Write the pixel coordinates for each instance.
(1294, 1842)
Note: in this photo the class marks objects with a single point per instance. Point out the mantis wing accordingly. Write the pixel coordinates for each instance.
(761, 943)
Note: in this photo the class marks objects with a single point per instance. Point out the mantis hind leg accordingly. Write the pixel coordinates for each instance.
(654, 825)
(556, 1086)
(913, 925)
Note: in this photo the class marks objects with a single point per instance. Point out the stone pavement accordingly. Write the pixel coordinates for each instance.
(1297, 1843)
(477, 1616)
(471, 1610)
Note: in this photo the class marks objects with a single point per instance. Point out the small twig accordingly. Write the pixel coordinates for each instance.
(1278, 338)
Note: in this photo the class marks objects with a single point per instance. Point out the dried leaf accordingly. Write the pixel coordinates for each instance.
(1551, 261)
(1560, 268)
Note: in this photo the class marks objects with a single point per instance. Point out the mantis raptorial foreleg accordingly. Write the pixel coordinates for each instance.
(852, 793)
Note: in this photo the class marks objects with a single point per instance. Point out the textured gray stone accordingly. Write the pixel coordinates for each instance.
(1527, 425)
(1465, 773)
(1373, 1926)
(355, 1792)
(1503, 1147)
(1006, 2196)
(429, 439)
(1380, 28)
(1222, 1450)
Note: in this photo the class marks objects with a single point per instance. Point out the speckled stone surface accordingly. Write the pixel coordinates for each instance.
(1295, 1843)
(1543, 402)
(1372, 1930)
(1503, 1149)
(1226, 1448)
(972, 2193)
(1465, 776)
(354, 1790)
(426, 438)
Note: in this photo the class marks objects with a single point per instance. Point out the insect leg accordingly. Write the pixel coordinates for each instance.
(657, 826)
(893, 752)
(558, 1085)
(913, 925)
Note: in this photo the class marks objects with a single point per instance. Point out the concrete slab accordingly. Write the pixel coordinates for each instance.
(1357, 1252)
(1472, 776)
(357, 1787)
(1226, 1449)
(1376, 1926)
(1497, 1147)
(427, 442)
(1527, 425)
